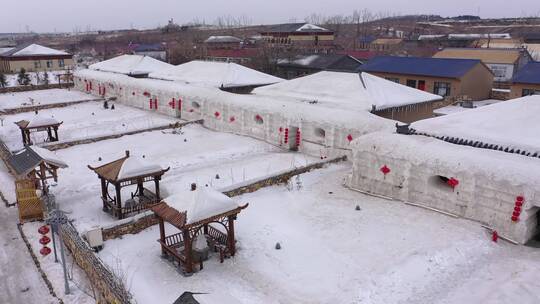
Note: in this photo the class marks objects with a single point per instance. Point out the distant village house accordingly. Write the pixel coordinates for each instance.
(527, 81)
(34, 58)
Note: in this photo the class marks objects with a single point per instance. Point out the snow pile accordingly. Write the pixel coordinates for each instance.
(216, 74)
(133, 167)
(37, 50)
(130, 65)
(201, 204)
(39, 121)
(49, 156)
(513, 123)
(347, 91)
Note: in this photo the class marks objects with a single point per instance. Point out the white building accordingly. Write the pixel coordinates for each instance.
(289, 117)
(482, 164)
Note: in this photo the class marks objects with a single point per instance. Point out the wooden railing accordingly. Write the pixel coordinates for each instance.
(217, 236)
(175, 240)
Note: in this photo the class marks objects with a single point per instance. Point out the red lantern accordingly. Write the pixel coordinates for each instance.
(146, 94)
(515, 213)
(44, 240)
(519, 204)
(385, 170)
(349, 137)
(280, 129)
(520, 199)
(232, 119)
(494, 236)
(452, 182)
(43, 230)
(172, 103)
(45, 251)
(517, 209)
(216, 114)
(514, 218)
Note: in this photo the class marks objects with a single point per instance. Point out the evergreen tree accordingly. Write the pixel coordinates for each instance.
(3, 80)
(23, 78)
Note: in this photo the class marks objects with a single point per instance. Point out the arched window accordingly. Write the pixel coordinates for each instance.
(258, 119)
(320, 133)
(195, 105)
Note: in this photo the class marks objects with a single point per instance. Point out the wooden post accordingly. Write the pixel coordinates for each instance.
(162, 236)
(230, 238)
(49, 134)
(188, 251)
(55, 133)
(104, 196)
(140, 187)
(119, 201)
(23, 137)
(205, 229)
(43, 177)
(156, 181)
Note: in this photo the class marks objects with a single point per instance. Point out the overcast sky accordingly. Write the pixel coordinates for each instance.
(67, 15)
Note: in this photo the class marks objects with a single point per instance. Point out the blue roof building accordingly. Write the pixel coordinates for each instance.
(450, 78)
(526, 81)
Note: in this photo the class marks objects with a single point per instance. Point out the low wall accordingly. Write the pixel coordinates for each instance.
(142, 221)
(11, 111)
(64, 145)
(109, 288)
(35, 87)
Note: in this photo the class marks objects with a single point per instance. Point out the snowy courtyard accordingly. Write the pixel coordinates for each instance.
(386, 252)
(81, 121)
(41, 97)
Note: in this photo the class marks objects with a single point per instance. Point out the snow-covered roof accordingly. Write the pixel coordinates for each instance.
(130, 65)
(33, 50)
(216, 74)
(513, 124)
(38, 121)
(201, 204)
(348, 90)
(126, 168)
(49, 156)
(459, 108)
(223, 39)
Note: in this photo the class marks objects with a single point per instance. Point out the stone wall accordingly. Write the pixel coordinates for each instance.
(10, 111)
(109, 288)
(35, 87)
(64, 145)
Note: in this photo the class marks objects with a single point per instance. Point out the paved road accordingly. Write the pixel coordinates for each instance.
(20, 282)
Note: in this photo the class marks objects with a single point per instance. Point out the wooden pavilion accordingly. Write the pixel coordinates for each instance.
(37, 165)
(50, 125)
(32, 167)
(124, 172)
(202, 213)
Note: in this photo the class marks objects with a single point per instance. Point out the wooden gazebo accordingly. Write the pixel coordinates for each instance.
(204, 213)
(37, 124)
(37, 165)
(124, 172)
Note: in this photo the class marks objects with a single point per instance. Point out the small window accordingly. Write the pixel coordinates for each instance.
(195, 105)
(258, 119)
(49, 64)
(392, 79)
(37, 64)
(320, 133)
(61, 63)
(441, 88)
(411, 83)
(440, 182)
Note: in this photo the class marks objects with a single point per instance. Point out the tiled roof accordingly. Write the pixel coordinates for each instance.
(434, 67)
(334, 62)
(491, 55)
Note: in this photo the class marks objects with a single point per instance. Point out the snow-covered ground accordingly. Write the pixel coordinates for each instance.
(41, 97)
(36, 78)
(83, 120)
(193, 153)
(387, 252)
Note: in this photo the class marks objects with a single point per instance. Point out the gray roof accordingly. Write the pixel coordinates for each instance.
(291, 27)
(27, 160)
(329, 62)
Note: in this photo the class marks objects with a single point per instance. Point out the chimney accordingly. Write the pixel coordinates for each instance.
(127, 153)
(193, 187)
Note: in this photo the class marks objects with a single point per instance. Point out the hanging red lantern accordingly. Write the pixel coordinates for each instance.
(172, 103)
(494, 236)
(280, 129)
(45, 251)
(519, 204)
(146, 94)
(232, 119)
(385, 170)
(452, 182)
(216, 114)
(43, 230)
(517, 209)
(520, 199)
(349, 137)
(515, 218)
(44, 240)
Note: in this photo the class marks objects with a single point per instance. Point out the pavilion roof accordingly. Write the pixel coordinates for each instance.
(127, 168)
(31, 157)
(196, 207)
(38, 122)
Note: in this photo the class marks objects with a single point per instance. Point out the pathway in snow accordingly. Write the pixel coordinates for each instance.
(20, 281)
